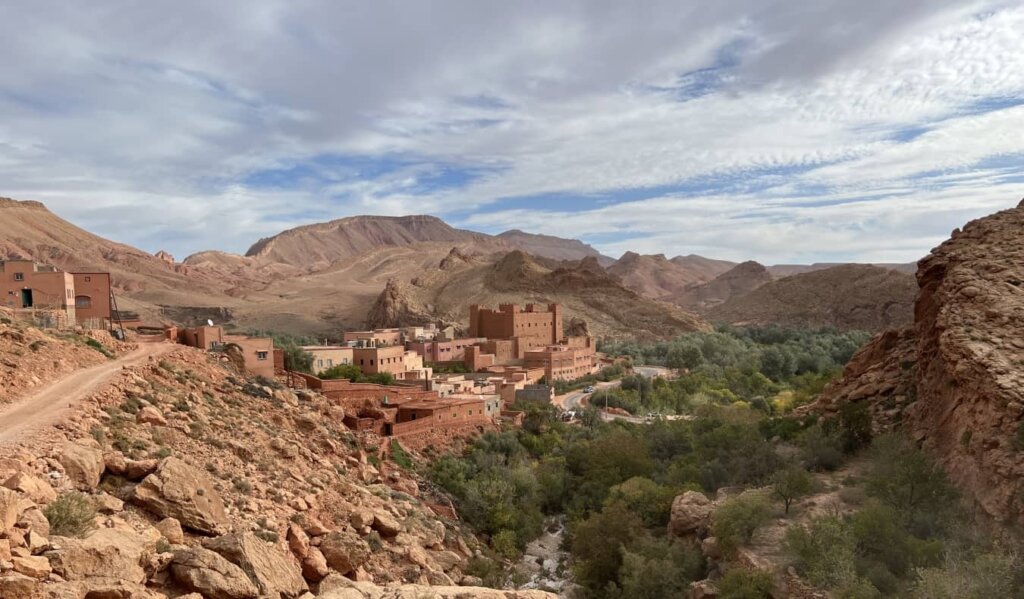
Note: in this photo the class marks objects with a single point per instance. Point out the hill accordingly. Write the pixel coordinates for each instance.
(704, 268)
(952, 379)
(851, 296)
(554, 248)
(734, 283)
(585, 291)
(317, 246)
(654, 276)
(788, 270)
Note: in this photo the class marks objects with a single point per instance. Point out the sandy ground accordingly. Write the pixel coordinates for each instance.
(49, 405)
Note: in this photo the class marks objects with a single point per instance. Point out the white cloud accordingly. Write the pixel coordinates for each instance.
(147, 112)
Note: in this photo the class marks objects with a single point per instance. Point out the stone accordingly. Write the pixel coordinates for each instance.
(361, 517)
(273, 571)
(206, 572)
(107, 504)
(386, 525)
(36, 567)
(703, 589)
(106, 554)
(170, 529)
(5, 550)
(150, 415)
(83, 465)
(344, 551)
(691, 514)
(314, 565)
(177, 490)
(13, 584)
(8, 509)
(298, 540)
(37, 489)
(140, 469)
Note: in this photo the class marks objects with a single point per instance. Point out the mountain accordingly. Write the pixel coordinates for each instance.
(734, 283)
(584, 289)
(554, 248)
(657, 277)
(787, 270)
(851, 296)
(952, 380)
(704, 268)
(317, 246)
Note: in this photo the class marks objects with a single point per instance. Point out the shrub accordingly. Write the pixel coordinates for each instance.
(855, 426)
(70, 515)
(902, 477)
(824, 550)
(821, 451)
(745, 584)
(400, 456)
(791, 484)
(737, 519)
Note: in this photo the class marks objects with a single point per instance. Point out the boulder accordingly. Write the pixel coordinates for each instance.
(8, 509)
(150, 415)
(344, 551)
(691, 514)
(314, 565)
(170, 528)
(13, 584)
(35, 567)
(83, 465)
(298, 540)
(140, 469)
(106, 554)
(209, 574)
(37, 489)
(177, 490)
(274, 572)
(386, 525)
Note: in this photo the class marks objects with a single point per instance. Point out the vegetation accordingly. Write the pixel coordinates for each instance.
(737, 519)
(70, 515)
(355, 374)
(792, 483)
(295, 358)
(745, 584)
(770, 369)
(608, 373)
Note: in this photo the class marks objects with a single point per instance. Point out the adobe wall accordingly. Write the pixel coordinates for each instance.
(96, 287)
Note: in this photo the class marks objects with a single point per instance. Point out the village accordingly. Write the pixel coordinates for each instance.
(424, 381)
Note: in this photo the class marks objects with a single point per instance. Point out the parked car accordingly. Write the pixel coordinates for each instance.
(588, 390)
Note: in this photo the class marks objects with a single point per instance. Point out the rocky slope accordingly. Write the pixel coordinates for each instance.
(584, 289)
(554, 248)
(704, 268)
(202, 481)
(655, 276)
(314, 247)
(851, 296)
(953, 380)
(734, 283)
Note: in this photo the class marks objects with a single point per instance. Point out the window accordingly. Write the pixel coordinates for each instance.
(262, 355)
(83, 302)
(88, 279)
(19, 276)
(330, 362)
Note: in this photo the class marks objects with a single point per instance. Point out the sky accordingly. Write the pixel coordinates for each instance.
(776, 130)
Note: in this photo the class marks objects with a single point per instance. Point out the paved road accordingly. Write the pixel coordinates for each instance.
(51, 403)
(574, 399)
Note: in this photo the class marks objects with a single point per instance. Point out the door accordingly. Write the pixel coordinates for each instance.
(26, 298)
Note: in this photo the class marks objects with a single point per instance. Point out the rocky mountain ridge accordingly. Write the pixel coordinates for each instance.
(952, 380)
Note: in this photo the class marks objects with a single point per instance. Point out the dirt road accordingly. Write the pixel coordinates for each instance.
(51, 403)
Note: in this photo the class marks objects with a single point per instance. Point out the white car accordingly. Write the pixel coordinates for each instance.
(588, 390)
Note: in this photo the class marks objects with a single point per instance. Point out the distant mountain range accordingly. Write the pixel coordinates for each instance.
(320, 279)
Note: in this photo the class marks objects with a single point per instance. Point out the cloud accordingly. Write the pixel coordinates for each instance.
(739, 128)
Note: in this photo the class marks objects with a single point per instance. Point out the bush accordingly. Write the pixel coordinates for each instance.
(70, 515)
(824, 550)
(986, 575)
(791, 484)
(745, 584)
(902, 477)
(821, 451)
(657, 567)
(399, 455)
(737, 519)
(855, 426)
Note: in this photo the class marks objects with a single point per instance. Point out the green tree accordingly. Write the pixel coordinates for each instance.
(901, 476)
(342, 371)
(598, 545)
(734, 523)
(745, 584)
(657, 568)
(791, 483)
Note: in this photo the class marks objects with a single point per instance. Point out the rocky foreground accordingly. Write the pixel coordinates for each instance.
(182, 479)
(954, 380)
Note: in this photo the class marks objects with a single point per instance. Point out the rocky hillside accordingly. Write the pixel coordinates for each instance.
(704, 268)
(554, 248)
(655, 276)
(314, 247)
(851, 296)
(734, 283)
(953, 380)
(181, 476)
(584, 289)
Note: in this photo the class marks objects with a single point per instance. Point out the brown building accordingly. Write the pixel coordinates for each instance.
(208, 338)
(378, 337)
(372, 360)
(574, 359)
(329, 356)
(257, 352)
(25, 284)
(530, 328)
(442, 351)
(92, 298)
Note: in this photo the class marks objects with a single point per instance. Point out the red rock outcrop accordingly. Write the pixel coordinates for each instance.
(953, 381)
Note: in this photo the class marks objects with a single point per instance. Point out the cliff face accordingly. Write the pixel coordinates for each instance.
(958, 370)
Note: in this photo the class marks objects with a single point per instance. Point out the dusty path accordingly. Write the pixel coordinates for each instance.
(48, 405)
